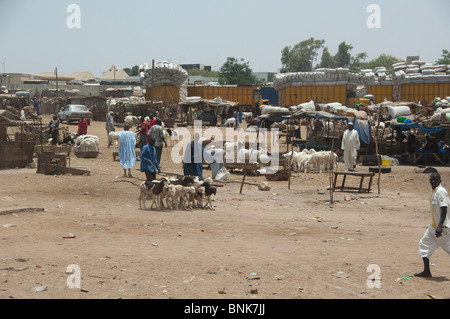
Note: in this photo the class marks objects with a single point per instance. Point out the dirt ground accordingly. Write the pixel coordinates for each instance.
(278, 244)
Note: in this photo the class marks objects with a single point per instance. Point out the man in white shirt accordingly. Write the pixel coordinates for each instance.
(438, 232)
(350, 145)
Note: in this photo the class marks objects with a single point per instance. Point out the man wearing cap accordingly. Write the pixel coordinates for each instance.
(438, 232)
(350, 145)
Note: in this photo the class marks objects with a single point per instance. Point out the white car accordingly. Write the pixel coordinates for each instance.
(74, 112)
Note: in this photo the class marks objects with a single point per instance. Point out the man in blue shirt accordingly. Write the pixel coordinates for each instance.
(36, 106)
(149, 162)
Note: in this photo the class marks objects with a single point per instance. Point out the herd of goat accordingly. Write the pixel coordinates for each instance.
(187, 192)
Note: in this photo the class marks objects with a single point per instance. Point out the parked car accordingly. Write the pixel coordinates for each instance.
(74, 112)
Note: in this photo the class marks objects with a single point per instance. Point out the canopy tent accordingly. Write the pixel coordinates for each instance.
(206, 102)
(210, 108)
(363, 127)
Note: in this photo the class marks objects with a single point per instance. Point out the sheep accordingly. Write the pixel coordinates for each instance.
(330, 160)
(247, 115)
(255, 155)
(87, 143)
(230, 122)
(319, 160)
(296, 159)
(131, 120)
(113, 139)
(233, 148)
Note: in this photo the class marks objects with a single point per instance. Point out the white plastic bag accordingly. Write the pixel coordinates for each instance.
(222, 174)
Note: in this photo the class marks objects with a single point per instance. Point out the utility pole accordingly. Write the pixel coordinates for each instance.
(56, 72)
(4, 72)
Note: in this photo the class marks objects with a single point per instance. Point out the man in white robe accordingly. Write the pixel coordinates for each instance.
(127, 153)
(350, 146)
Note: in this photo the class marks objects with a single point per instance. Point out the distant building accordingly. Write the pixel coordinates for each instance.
(198, 79)
(114, 75)
(189, 67)
(84, 76)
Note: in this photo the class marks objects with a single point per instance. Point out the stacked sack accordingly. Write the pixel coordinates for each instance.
(420, 72)
(166, 73)
(323, 76)
(378, 75)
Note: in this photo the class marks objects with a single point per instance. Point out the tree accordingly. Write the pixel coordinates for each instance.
(385, 60)
(445, 58)
(357, 62)
(342, 59)
(301, 57)
(235, 72)
(343, 56)
(134, 71)
(327, 60)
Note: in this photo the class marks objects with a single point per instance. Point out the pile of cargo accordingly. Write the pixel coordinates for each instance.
(379, 75)
(323, 76)
(166, 73)
(420, 72)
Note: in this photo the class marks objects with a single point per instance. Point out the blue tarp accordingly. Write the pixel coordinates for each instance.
(405, 127)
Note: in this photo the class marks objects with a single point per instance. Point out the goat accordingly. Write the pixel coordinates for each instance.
(154, 189)
(209, 190)
(69, 140)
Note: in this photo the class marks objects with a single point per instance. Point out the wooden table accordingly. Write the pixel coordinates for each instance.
(420, 154)
(360, 189)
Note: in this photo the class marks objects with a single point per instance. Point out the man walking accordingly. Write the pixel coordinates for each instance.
(350, 145)
(127, 154)
(157, 132)
(110, 127)
(437, 233)
(82, 126)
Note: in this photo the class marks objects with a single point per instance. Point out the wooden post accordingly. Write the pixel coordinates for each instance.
(21, 143)
(331, 172)
(243, 178)
(376, 149)
(153, 83)
(290, 159)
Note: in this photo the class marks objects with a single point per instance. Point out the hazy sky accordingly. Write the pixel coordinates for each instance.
(35, 36)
